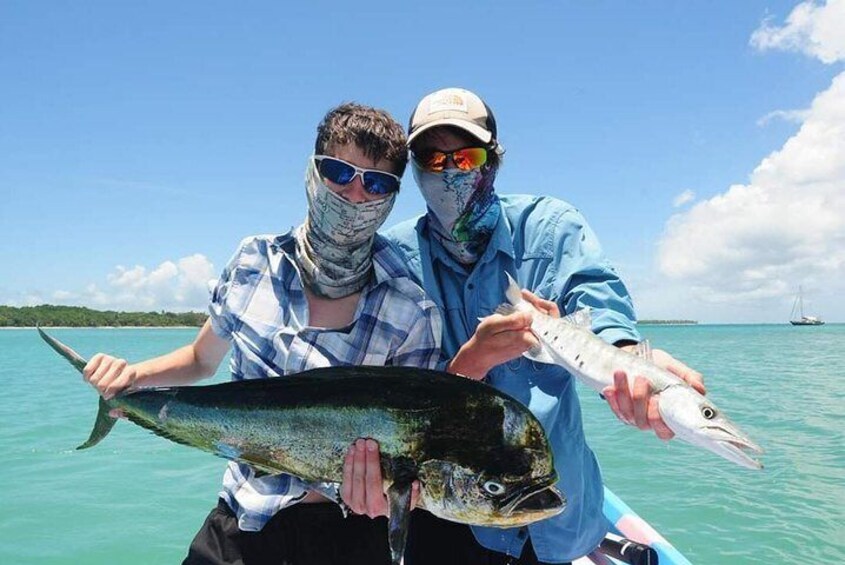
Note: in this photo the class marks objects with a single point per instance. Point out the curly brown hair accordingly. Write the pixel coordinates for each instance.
(373, 130)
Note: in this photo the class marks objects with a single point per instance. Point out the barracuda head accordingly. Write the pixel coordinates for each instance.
(516, 486)
(698, 421)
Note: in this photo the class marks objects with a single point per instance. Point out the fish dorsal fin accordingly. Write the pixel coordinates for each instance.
(582, 318)
(643, 349)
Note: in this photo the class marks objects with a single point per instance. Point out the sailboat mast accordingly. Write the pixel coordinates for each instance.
(801, 301)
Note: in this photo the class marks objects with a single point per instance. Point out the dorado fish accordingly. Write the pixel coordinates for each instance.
(480, 456)
(570, 343)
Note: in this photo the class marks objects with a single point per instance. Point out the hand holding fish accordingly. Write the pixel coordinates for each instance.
(109, 375)
(639, 406)
(499, 338)
(362, 489)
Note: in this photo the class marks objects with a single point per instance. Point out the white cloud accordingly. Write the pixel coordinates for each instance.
(814, 29)
(175, 286)
(794, 116)
(757, 241)
(749, 247)
(685, 197)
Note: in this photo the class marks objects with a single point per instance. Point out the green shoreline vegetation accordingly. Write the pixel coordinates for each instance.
(80, 317)
(666, 322)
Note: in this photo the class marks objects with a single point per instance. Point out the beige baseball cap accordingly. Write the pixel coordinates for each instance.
(455, 107)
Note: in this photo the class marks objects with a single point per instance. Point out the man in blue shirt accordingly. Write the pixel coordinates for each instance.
(460, 252)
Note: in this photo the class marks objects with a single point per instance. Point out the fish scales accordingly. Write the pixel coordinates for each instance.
(592, 360)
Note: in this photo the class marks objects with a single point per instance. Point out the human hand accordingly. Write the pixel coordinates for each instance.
(639, 406)
(545, 306)
(109, 375)
(497, 339)
(362, 489)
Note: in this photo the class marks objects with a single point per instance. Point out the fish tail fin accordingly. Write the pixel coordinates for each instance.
(102, 425)
(72, 356)
(513, 293)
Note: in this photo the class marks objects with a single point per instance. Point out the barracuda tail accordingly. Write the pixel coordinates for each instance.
(104, 423)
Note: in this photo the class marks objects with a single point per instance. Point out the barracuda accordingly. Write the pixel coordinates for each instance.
(570, 343)
(481, 457)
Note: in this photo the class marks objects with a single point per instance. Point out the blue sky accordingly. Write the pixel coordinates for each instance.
(140, 142)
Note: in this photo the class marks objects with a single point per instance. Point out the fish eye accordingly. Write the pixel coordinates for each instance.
(494, 488)
(708, 412)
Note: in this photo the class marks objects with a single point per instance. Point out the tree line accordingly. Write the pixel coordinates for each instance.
(81, 317)
(666, 322)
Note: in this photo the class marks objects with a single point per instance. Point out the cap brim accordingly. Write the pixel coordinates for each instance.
(476, 131)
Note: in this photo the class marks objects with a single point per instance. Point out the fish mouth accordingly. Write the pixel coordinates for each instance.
(734, 446)
(539, 497)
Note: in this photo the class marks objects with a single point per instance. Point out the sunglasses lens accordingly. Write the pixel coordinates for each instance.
(336, 171)
(380, 183)
(434, 161)
(470, 158)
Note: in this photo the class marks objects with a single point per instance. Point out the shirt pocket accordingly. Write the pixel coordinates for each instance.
(253, 298)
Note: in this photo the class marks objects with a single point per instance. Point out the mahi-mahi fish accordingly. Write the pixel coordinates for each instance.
(570, 342)
(480, 456)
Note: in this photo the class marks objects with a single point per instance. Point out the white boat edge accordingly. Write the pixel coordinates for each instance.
(628, 524)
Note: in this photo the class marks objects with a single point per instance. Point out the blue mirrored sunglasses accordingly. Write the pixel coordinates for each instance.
(340, 172)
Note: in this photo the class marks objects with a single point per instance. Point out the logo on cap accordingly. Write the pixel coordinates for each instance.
(448, 102)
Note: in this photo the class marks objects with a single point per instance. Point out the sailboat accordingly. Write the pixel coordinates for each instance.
(802, 320)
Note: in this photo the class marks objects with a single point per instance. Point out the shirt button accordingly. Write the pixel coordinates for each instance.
(471, 286)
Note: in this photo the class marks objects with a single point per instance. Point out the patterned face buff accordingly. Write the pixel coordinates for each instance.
(334, 245)
(463, 208)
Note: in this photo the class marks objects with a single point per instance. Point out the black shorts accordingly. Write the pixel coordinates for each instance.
(318, 534)
(302, 534)
(434, 541)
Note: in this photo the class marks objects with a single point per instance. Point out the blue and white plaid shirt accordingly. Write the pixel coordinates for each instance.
(259, 305)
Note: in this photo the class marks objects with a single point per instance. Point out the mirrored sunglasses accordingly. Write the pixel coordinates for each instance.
(340, 172)
(465, 159)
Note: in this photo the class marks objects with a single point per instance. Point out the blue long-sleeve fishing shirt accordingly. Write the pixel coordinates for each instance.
(547, 246)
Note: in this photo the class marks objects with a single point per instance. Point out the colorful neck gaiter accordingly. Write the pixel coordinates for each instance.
(463, 208)
(334, 245)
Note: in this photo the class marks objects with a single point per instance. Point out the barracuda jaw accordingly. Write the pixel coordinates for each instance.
(696, 420)
(732, 445)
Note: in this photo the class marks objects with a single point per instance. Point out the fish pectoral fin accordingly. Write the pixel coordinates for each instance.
(540, 354)
(399, 507)
(643, 349)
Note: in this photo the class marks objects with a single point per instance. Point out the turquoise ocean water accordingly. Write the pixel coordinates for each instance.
(139, 499)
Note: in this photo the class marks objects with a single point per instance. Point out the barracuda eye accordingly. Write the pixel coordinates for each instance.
(708, 412)
(494, 488)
